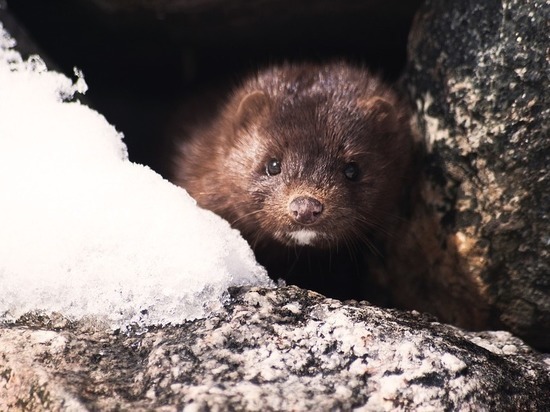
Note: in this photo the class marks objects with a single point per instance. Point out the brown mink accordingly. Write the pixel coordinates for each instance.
(308, 162)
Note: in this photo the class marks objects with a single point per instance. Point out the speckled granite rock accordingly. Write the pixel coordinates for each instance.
(285, 349)
(478, 252)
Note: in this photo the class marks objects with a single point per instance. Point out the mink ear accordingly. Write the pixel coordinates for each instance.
(252, 106)
(381, 111)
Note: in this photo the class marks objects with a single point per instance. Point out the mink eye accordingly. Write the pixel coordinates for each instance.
(351, 171)
(273, 167)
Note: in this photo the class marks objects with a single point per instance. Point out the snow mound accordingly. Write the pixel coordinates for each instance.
(85, 232)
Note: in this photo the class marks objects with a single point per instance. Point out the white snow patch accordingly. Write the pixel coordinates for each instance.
(85, 232)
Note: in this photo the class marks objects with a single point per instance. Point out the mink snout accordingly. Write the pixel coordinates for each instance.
(305, 210)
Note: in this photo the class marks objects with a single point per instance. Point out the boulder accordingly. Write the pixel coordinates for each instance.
(477, 249)
(270, 349)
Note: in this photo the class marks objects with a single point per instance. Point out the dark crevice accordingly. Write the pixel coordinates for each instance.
(140, 62)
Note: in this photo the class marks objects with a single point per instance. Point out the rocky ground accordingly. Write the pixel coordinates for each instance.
(278, 349)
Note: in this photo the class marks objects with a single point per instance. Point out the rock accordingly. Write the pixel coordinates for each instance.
(283, 349)
(477, 252)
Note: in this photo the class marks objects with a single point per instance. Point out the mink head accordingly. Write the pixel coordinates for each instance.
(311, 156)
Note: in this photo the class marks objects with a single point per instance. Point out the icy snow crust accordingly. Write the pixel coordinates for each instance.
(83, 231)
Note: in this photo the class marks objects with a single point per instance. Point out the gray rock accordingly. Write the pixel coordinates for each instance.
(284, 349)
(478, 250)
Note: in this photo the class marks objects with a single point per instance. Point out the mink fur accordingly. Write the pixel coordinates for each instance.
(309, 163)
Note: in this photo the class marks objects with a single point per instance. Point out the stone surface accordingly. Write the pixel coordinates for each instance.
(478, 251)
(284, 349)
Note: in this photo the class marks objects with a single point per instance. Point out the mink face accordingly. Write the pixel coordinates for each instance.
(302, 156)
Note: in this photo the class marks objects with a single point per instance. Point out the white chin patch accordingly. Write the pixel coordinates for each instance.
(303, 237)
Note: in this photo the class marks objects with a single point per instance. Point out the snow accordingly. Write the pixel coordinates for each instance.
(86, 233)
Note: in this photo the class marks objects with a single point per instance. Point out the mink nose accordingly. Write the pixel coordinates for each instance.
(305, 210)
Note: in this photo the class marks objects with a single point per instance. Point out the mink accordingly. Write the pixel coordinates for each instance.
(309, 163)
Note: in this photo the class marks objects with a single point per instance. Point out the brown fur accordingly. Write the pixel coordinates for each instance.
(316, 120)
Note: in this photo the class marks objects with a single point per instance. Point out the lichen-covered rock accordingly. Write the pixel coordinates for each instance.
(283, 349)
(478, 251)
